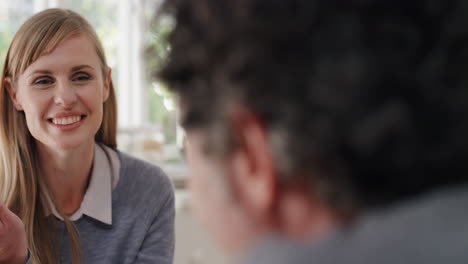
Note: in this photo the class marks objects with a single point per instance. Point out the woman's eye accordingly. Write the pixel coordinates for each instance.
(82, 77)
(43, 81)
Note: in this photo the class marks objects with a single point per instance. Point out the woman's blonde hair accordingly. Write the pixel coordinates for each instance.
(21, 187)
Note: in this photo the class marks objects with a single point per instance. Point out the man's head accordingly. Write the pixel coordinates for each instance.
(304, 113)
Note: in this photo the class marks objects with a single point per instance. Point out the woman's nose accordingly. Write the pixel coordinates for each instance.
(65, 94)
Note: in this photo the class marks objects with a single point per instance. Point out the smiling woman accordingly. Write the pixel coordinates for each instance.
(67, 89)
(79, 198)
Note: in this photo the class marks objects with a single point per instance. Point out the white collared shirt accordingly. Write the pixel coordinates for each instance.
(97, 201)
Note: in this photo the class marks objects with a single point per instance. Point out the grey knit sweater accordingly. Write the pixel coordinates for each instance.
(142, 229)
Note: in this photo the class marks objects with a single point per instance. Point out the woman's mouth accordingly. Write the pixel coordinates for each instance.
(66, 120)
(67, 123)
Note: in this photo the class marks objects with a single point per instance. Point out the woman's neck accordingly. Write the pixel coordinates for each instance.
(67, 174)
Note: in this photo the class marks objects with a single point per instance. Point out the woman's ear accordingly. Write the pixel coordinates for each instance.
(10, 86)
(107, 83)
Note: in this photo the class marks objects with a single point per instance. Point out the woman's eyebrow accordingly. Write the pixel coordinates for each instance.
(75, 68)
(79, 67)
(40, 72)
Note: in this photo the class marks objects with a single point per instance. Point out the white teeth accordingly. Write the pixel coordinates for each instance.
(66, 120)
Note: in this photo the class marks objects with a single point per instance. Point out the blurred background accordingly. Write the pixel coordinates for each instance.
(135, 43)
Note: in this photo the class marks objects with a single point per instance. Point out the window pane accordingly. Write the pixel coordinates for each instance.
(12, 15)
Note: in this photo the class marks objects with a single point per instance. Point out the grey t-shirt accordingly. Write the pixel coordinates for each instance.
(431, 229)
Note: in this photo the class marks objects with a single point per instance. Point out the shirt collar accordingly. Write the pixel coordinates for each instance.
(97, 201)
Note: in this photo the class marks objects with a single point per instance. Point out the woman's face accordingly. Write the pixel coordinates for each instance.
(62, 94)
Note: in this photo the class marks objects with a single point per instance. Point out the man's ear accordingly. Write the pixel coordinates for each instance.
(252, 167)
(10, 86)
(107, 83)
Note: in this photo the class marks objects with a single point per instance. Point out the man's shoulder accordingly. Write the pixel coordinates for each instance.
(431, 229)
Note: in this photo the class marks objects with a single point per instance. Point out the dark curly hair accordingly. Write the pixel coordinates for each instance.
(367, 100)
